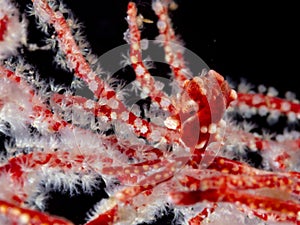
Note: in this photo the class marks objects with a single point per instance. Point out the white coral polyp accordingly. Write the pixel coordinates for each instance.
(14, 30)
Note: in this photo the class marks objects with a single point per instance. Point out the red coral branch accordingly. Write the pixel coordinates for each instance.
(193, 161)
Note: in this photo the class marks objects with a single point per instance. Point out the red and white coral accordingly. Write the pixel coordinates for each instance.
(185, 163)
(12, 29)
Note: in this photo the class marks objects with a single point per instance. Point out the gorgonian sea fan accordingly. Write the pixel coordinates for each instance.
(183, 149)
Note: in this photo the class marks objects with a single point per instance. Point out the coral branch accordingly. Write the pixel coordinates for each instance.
(18, 215)
(173, 49)
(188, 152)
(288, 210)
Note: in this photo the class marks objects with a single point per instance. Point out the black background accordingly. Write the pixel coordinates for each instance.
(250, 39)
